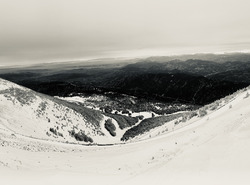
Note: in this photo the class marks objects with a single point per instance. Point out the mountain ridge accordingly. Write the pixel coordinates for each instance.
(43, 117)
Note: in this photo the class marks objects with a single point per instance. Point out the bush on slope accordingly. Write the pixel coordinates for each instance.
(148, 124)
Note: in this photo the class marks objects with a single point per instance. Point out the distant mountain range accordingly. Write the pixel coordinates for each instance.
(200, 79)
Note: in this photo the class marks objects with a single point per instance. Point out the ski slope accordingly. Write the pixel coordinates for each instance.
(36, 115)
(214, 149)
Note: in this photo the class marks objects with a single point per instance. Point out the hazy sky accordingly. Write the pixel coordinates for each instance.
(58, 30)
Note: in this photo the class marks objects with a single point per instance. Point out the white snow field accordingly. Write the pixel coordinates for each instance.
(214, 150)
(32, 114)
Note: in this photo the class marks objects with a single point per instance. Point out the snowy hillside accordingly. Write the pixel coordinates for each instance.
(209, 148)
(35, 115)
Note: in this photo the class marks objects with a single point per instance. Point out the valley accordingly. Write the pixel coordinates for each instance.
(124, 92)
(193, 81)
(219, 138)
(143, 121)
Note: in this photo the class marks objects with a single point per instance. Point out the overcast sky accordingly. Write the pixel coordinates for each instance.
(33, 31)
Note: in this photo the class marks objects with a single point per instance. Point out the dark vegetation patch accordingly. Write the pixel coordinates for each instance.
(92, 116)
(188, 82)
(81, 136)
(107, 109)
(55, 132)
(176, 87)
(140, 117)
(148, 124)
(127, 105)
(123, 121)
(22, 96)
(196, 81)
(110, 127)
(237, 75)
(41, 108)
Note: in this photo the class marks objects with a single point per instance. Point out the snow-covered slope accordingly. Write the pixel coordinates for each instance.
(212, 149)
(31, 114)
